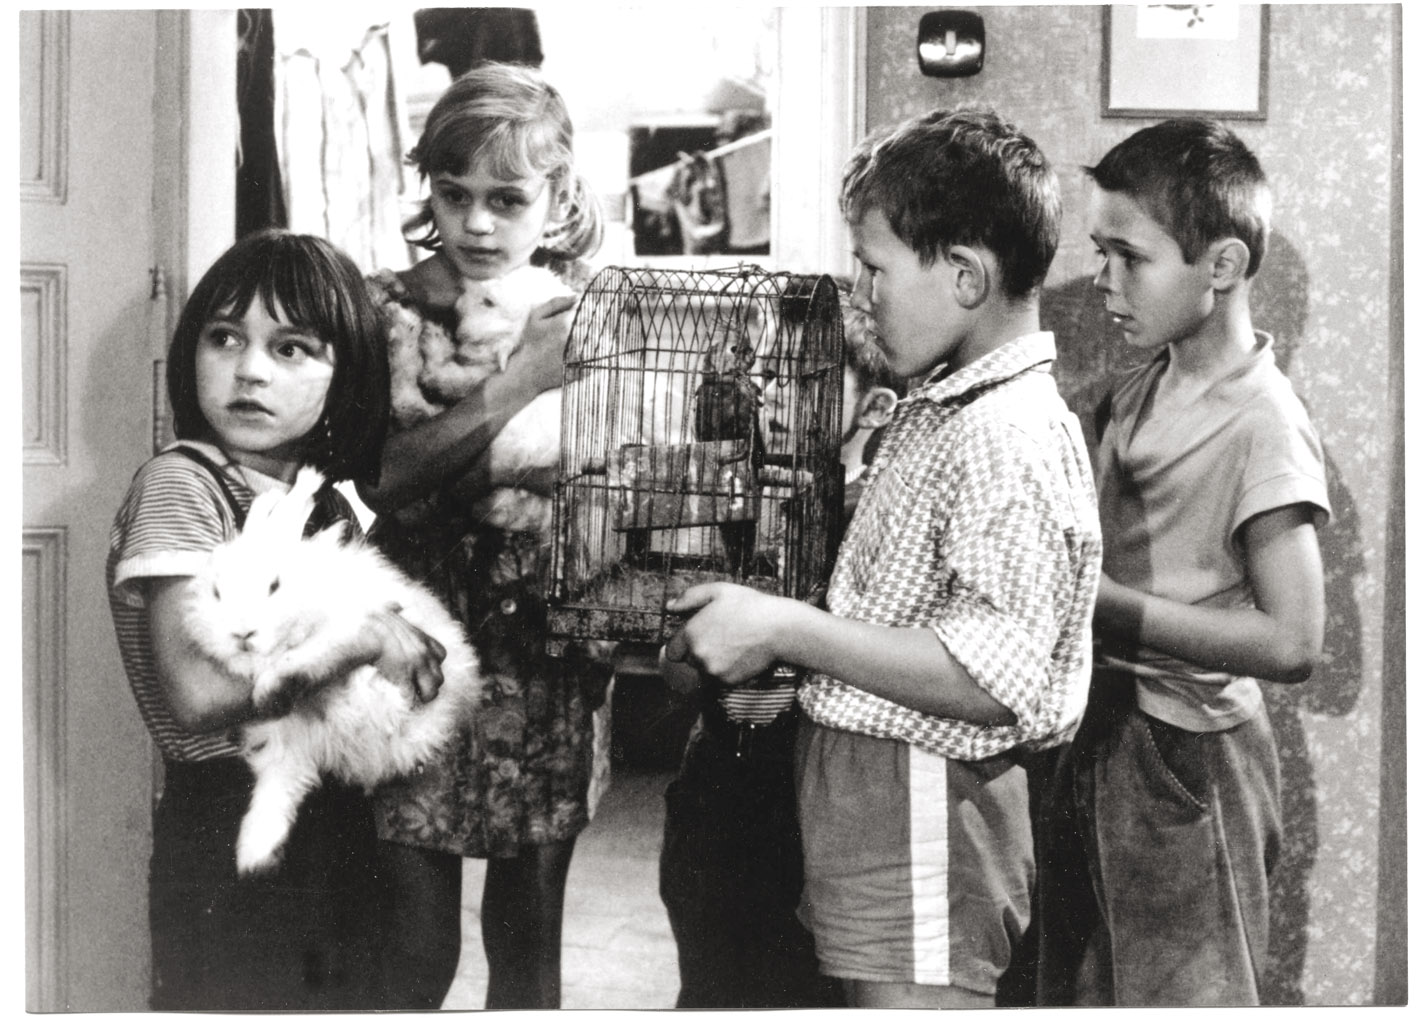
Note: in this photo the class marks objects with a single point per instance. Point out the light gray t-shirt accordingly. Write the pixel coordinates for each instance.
(1173, 495)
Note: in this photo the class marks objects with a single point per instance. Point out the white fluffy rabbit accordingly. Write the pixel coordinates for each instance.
(432, 370)
(491, 314)
(487, 312)
(279, 609)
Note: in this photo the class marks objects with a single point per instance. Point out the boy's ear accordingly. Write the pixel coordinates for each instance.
(1229, 261)
(876, 409)
(970, 275)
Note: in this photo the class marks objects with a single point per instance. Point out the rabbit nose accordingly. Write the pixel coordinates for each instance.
(244, 639)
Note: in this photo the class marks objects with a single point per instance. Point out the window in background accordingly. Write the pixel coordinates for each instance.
(761, 95)
(673, 114)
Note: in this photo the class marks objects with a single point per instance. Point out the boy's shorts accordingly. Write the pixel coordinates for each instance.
(1157, 845)
(917, 868)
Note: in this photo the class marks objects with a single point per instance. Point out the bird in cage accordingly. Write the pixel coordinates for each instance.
(727, 402)
(699, 444)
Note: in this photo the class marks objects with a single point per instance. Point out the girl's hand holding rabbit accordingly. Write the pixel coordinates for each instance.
(399, 651)
(452, 444)
(404, 654)
(543, 348)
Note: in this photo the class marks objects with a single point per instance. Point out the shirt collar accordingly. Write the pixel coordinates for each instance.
(253, 479)
(1013, 358)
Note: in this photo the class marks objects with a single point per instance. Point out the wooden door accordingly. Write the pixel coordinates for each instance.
(86, 154)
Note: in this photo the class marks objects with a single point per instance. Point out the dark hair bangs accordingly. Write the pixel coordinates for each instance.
(316, 287)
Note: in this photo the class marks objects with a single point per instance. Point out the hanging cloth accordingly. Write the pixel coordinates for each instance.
(340, 132)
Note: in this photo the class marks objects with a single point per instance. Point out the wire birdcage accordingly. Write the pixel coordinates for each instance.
(701, 434)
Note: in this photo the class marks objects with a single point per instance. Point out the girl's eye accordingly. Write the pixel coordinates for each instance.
(508, 202)
(220, 336)
(453, 195)
(297, 348)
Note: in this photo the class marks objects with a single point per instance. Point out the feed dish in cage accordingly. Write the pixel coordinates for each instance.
(700, 441)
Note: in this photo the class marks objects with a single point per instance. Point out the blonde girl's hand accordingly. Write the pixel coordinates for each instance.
(537, 364)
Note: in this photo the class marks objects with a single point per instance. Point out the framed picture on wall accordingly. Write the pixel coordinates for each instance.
(1166, 60)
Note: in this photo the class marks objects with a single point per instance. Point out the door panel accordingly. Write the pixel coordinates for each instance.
(86, 227)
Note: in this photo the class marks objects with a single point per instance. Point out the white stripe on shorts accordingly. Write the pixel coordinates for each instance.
(929, 866)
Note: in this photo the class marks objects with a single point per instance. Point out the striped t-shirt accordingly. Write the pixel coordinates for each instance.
(174, 513)
(762, 700)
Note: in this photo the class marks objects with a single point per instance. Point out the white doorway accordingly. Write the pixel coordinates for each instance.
(105, 151)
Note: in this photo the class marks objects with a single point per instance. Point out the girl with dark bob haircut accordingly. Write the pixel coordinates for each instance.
(278, 362)
(322, 290)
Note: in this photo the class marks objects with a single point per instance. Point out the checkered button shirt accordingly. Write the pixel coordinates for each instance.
(979, 520)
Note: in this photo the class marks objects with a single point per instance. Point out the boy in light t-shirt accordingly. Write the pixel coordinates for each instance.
(1164, 827)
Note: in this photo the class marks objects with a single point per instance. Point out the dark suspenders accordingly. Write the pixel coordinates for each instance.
(219, 475)
(330, 505)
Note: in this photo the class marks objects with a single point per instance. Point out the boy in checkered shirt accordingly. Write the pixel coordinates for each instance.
(957, 626)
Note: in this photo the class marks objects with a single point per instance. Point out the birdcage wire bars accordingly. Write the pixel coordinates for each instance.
(700, 424)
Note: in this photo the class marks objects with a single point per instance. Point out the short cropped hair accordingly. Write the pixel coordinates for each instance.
(322, 290)
(1197, 179)
(963, 176)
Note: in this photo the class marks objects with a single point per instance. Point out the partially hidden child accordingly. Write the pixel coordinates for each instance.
(730, 870)
(1163, 829)
(957, 629)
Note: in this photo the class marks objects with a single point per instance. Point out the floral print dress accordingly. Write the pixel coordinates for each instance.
(535, 759)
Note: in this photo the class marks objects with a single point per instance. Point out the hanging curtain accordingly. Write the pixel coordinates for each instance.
(340, 131)
(259, 199)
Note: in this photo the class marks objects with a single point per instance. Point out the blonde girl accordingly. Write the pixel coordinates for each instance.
(496, 152)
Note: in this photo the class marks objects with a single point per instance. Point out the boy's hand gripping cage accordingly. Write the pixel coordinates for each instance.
(700, 441)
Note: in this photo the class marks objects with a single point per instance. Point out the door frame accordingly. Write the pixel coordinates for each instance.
(194, 133)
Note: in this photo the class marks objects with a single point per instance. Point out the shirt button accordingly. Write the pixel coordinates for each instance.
(509, 606)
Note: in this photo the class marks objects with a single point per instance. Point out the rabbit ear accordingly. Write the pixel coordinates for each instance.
(263, 507)
(308, 481)
(333, 535)
(283, 514)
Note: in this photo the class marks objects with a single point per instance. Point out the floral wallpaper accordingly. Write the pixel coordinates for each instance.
(1325, 291)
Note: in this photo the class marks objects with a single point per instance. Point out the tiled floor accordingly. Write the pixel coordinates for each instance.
(617, 949)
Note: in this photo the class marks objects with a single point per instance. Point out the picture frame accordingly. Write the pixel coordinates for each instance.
(1168, 60)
